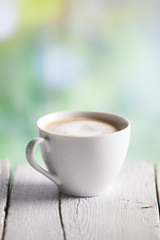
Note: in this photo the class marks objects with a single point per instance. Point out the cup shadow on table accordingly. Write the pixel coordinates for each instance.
(31, 192)
(41, 192)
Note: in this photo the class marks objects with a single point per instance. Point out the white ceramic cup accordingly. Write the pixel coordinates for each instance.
(81, 166)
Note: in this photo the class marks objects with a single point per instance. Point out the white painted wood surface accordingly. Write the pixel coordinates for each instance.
(33, 212)
(128, 212)
(4, 184)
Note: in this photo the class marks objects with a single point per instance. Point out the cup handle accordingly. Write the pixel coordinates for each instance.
(30, 158)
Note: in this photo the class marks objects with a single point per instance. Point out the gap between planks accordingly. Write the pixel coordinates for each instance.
(4, 193)
(157, 182)
(60, 215)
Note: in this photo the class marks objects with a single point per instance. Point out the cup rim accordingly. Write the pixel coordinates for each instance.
(83, 112)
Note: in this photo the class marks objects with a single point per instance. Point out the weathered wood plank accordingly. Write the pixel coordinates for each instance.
(4, 185)
(33, 208)
(128, 212)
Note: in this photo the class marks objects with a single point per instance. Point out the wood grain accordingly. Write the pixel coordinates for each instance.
(4, 184)
(33, 212)
(128, 211)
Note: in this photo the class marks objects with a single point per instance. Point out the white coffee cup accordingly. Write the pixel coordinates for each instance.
(81, 166)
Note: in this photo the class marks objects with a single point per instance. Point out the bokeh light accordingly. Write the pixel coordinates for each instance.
(61, 67)
(9, 18)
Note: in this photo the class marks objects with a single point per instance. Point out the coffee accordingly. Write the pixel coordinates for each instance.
(80, 127)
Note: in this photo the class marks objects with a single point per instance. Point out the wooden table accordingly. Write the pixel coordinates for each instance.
(35, 210)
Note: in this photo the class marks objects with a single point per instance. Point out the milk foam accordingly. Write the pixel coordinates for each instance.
(83, 128)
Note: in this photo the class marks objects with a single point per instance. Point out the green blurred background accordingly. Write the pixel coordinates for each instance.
(79, 55)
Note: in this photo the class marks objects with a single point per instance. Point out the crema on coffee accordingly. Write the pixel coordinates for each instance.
(80, 127)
